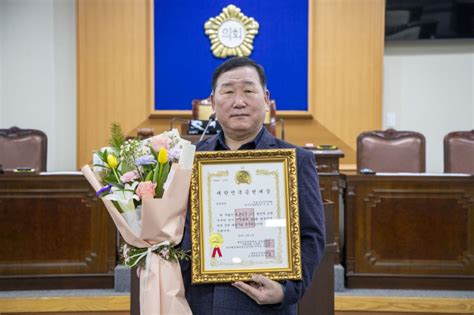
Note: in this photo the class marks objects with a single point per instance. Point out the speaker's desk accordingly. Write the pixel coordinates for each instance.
(54, 234)
(409, 231)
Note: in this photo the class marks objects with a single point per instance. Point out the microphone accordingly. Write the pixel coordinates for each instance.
(212, 117)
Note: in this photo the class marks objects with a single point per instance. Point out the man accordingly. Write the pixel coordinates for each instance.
(240, 101)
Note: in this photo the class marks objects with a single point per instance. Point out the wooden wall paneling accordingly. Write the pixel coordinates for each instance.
(349, 45)
(113, 59)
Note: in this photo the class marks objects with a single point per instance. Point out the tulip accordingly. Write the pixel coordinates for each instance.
(163, 156)
(112, 161)
(161, 171)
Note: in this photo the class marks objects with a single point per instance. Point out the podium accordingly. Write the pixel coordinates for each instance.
(319, 298)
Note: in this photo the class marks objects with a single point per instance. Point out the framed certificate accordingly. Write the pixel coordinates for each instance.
(244, 216)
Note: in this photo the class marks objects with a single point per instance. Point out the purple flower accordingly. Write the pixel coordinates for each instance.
(103, 190)
(145, 160)
(174, 153)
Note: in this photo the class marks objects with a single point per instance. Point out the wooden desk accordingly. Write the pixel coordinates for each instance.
(409, 231)
(54, 234)
(327, 163)
(320, 294)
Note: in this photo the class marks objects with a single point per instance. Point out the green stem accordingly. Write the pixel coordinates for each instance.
(156, 172)
(116, 175)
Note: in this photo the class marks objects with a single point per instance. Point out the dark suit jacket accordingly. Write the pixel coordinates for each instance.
(225, 299)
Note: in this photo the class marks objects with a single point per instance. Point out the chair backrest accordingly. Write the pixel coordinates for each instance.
(271, 119)
(23, 148)
(459, 152)
(391, 151)
(144, 133)
(202, 109)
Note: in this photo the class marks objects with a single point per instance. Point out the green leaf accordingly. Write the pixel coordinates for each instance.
(149, 176)
(98, 165)
(117, 137)
(110, 178)
(174, 254)
(102, 155)
(165, 172)
(155, 154)
(116, 204)
(156, 173)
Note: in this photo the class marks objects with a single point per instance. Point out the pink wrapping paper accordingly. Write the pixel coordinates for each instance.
(162, 292)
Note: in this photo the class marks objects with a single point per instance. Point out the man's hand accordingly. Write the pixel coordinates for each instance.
(262, 290)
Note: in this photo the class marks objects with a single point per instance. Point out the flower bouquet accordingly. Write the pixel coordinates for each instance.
(144, 186)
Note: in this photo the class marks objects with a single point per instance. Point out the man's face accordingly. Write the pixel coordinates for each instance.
(240, 102)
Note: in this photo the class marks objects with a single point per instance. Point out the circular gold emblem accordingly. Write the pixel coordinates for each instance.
(243, 177)
(231, 33)
(216, 240)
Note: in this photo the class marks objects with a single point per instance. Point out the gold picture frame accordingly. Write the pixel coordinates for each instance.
(245, 216)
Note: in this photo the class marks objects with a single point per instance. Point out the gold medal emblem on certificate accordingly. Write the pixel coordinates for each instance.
(243, 177)
(231, 33)
(216, 240)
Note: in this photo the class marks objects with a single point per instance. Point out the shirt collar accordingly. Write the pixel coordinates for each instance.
(251, 145)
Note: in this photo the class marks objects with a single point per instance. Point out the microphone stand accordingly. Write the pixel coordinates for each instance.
(212, 117)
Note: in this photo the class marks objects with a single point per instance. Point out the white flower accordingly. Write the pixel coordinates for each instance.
(125, 251)
(177, 144)
(173, 134)
(124, 197)
(165, 253)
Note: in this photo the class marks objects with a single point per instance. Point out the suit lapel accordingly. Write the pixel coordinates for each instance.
(267, 141)
(209, 144)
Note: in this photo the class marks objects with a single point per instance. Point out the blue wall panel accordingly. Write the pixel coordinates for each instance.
(184, 62)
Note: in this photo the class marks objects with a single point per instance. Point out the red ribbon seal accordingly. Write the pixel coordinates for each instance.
(216, 250)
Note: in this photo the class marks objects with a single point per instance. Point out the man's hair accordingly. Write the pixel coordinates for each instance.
(238, 62)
